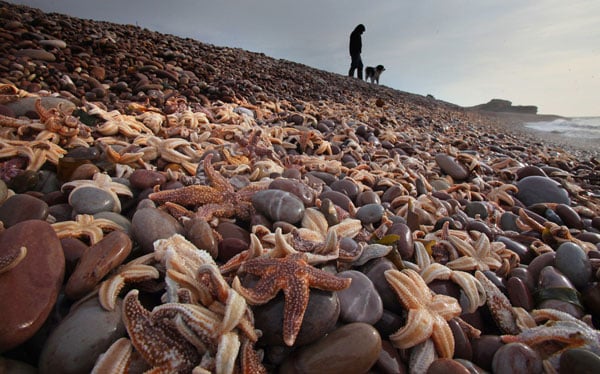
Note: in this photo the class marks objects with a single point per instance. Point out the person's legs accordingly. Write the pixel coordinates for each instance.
(359, 66)
(356, 64)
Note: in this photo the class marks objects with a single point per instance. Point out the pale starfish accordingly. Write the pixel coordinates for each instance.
(37, 151)
(427, 313)
(104, 182)
(87, 226)
(499, 306)
(219, 199)
(294, 276)
(477, 255)
(431, 271)
(561, 328)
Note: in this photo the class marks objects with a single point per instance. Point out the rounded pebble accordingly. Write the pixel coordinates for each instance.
(451, 166)
(536, 189)
(320, 317)
(279, 205)
(516, 358)
(83, 335)
(96, 262)
(580, 361)
(352, 348)
(573, 262)
(151, 224)
(91, 200)
(370, 213)
(32, 286)
(360, 302)
(22, 207)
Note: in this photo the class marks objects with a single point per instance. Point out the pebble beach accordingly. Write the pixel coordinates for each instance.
(176, 206)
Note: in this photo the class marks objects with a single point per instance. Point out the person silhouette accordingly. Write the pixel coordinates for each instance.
(355, 51)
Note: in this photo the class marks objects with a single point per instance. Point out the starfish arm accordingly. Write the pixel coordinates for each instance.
(157, 344)
(115, 359)
(407, 290)
(217, 181)
(189, 195)
(418, 327)
(325, 281)
(445, 306)
(296, 299)
(465, 263)
(265, 290)
(442, 337)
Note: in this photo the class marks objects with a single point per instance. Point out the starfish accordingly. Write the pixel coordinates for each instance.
(219, 199)
(295, 277)
(560, 333)
(427, 313)
(85, 225)
(479, 255)
(156, 339)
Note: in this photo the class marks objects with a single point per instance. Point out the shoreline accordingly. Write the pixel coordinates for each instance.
(514, 123)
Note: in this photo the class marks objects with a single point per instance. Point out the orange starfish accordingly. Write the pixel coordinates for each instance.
(219, 199)
(295, 277)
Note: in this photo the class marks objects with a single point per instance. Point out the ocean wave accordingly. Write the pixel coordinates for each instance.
(578, 127)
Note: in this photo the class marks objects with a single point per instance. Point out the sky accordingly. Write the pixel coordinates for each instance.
(542, 52)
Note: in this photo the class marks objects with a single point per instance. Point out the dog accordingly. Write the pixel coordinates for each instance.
(373, 73)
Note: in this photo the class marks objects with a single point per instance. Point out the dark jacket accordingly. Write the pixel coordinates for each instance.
(355, 40)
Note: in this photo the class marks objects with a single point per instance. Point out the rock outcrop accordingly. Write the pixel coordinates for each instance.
(500, 105)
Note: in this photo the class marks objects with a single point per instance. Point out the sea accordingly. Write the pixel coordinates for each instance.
(577, 127)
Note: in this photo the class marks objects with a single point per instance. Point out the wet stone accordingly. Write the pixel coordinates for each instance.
(518, 294)
(27, 104)
(475, 208)
(347, 187)
(117, 218)
(516, 358)
(451, 166)
(360, 302)
(142, 179)
(536, 189)
(83, 335)
(37, 54)
(367, 197)
(151, 224)
(557, 292)
(320, 318)
(579, 360)
(522, 251)
(446, 366)
(352, 348)
(97, 262)
(462, 344)
(279, 205)
(405, 243)
(91, 200)
(370, 213)
(389, 360)
(199, 232)
(296, 187)
(338, 198)
(573, 262)
(484, 349)
(375, 272)
(33, 284)
(22, 207)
